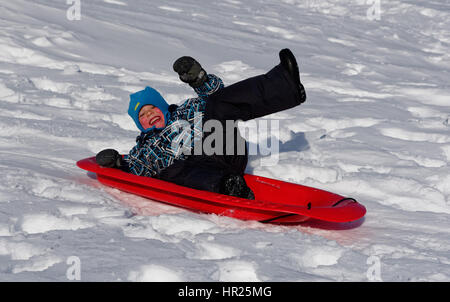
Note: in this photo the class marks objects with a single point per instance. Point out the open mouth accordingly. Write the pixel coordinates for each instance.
(154, 120)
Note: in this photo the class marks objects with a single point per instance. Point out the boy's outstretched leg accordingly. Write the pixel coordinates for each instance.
(275, 91)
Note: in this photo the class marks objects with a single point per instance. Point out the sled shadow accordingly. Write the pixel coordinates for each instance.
(329, 226)
(92, 175)
(297, 143)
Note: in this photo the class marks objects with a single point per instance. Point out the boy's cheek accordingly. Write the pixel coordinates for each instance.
(144, 123)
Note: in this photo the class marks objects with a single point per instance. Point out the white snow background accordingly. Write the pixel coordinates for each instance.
(375, 127)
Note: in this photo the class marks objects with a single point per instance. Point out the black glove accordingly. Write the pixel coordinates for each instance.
(190, 71)
(109, 158)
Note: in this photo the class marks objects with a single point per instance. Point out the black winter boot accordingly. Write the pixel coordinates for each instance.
(289, 62)
(234, 185)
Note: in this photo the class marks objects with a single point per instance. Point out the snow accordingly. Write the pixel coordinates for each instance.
(375, 127)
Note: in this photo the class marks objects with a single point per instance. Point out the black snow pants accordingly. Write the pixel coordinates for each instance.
(245, 100)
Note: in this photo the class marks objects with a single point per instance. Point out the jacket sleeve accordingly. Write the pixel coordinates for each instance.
(191, 107)
(211, 85)
(145, 159)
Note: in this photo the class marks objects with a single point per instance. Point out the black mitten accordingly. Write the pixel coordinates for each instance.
(190, 71)
(109, 158)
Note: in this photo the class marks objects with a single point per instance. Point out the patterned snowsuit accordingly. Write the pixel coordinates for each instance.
(155, 155)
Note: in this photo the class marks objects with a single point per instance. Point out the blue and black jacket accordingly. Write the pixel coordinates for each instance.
(156, 150)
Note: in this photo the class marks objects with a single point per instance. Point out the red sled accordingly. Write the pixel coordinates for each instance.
(275, 201)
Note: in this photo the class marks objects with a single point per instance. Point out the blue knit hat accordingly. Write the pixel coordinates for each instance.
(148, 96)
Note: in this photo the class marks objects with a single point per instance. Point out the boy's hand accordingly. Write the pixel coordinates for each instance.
(109, 158)
(190, 71)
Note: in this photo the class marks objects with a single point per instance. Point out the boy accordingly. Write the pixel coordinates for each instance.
(158, 152)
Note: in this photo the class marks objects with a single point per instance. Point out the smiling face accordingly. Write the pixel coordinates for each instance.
(150, 116)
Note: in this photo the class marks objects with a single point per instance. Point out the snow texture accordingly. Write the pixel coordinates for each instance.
(375, 127)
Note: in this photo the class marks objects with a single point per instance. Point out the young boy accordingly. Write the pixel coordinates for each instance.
(158, 152)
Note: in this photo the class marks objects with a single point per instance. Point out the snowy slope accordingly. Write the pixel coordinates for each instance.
(375, 127)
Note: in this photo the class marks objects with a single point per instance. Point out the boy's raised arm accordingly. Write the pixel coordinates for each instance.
(211, 85)
(191, 72)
